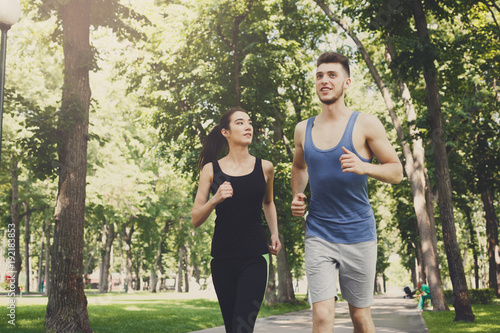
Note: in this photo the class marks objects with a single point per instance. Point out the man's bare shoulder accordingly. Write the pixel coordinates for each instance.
(300, 133)
(366, 117)
(301, 126)
(369, 122)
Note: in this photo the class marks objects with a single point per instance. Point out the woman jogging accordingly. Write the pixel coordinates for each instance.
(241, 187)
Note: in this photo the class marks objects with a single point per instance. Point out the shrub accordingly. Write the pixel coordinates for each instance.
(478, 296)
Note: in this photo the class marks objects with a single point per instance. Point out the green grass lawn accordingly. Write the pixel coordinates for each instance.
(143, 312)
(487, 320)
(131, 315)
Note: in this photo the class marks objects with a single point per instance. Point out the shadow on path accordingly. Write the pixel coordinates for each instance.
(391, 314)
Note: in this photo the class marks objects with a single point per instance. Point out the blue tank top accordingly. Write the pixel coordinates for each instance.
(339, 210)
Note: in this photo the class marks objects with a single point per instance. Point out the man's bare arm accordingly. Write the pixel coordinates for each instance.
(390, 169)
(300, 176)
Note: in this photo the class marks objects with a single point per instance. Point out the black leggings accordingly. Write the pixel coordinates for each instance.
(240, 284)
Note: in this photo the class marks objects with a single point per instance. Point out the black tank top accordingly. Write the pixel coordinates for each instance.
(238, 226)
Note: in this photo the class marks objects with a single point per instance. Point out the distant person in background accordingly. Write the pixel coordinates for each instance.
(408, 292)
(424, 294)
(241, 186)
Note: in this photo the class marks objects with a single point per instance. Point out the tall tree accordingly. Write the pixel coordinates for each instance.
(462, 301)
(67, 304)
(474, 125)
(414, 165)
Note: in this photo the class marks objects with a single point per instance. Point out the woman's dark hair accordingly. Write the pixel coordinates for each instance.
(215, 142)
(334, 57)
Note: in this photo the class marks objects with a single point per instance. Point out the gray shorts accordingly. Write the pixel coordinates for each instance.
(355, 264)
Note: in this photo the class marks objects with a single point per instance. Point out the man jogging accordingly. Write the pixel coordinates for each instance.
(333, 152)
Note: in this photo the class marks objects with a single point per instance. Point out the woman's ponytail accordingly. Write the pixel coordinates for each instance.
(214, 143)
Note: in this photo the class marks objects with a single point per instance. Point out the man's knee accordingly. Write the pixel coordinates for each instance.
(360, 316)
(324, 312)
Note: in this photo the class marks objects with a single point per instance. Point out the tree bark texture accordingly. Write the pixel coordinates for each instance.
(40, 261)
(186, 271)
(27, 238)
(488, 197)
(109, 235)
(414, 165)
(429, 203)
(88, 261)
(156, 268)
(47, 259)
(473, 247)
(462, 301)
(415, 169)
(270, 295)
(127, 237)
(180, 266)
(421, 272)
(157, 265)
(141, 270)
(285, 280)
(67, 304)
(413, 276)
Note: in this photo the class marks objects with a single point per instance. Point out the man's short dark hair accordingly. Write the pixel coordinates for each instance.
(334, 57)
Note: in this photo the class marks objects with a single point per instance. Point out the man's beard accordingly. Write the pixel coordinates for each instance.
(331, 100)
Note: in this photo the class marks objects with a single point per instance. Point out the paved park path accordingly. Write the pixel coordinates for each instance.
(391, 314)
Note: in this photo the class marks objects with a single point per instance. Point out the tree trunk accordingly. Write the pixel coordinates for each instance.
(414, 165)
(46, 279)
(429, 202)
(476, 266)
(40, 260)
(27, 245)
(67, 304)
(153, 281)
(462, 301)
(157, 264)
(413, 274)
(127, 237)
(179, 269)
(415, 170)
(139, 271)
(473, 246)
(27, 238)
(130, 278)
(186, 272)
(86, 267)
(270, 296)
(109, 235)
(285, 280)
(122, 267)
(421, 272)
(16, 221)
(196, 272)
(156, 268)
(487, 198)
